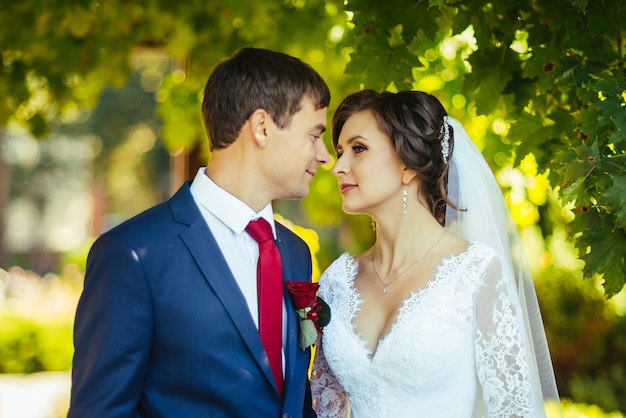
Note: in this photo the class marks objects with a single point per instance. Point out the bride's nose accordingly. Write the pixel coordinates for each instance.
(340, 168)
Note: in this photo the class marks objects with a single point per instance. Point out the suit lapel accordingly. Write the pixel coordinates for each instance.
(204, 249)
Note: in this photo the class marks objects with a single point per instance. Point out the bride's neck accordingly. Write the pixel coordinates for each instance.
(404, 239)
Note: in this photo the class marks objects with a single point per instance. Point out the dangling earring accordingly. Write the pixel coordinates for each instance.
(405, 202)
(373, 225)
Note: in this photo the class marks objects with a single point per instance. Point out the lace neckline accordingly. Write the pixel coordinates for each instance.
(409, 302)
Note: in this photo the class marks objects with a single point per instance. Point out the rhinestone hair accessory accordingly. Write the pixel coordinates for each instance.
(444, 132)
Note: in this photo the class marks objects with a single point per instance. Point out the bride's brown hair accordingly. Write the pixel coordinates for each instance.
(414, 122)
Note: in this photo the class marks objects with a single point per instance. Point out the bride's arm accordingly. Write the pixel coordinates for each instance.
(329, 398)
(503, 364)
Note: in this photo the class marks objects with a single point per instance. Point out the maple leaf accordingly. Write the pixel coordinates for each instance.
(615, 197)
(608, 249)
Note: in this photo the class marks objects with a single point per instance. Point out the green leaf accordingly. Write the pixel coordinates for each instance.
(534, 135)
(578, 164)
(619, 121)
(608, 108)
(308, 333)
(395, 37)
(390, 64)
(615, 197)
(324, 313)
(543, 61)
(488, 86)
(608, 249)
(586, 158)
(575, 192)
(588, 120)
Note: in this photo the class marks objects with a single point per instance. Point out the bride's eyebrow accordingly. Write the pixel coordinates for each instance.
(355, 138)
(350, 140)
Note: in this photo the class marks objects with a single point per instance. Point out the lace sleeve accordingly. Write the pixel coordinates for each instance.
(501, 349)
(329, 398)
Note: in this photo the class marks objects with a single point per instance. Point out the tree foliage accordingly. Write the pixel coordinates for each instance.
(62, 54)
(57, 57)
(550, 72)
(554, 71)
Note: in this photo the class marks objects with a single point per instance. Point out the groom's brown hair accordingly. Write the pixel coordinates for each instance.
(257, 79)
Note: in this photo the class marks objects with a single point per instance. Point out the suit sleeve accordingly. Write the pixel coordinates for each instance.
(112, 333)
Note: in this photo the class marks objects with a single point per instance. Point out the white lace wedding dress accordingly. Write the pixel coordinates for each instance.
(454, 350)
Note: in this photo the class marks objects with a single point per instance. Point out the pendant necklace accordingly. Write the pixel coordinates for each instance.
(386, 285)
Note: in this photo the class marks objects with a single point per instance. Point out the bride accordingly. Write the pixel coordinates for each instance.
(439, 317)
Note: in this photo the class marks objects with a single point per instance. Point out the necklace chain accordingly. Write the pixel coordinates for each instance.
(386, 285)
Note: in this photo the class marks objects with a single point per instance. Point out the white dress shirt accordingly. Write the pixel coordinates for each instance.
(227, 217)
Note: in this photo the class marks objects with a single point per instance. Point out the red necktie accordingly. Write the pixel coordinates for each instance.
(270, 295)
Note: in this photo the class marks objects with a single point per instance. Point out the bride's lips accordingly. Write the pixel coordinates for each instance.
(345, 188)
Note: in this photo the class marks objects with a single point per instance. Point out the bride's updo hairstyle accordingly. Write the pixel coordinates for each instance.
(414, 122)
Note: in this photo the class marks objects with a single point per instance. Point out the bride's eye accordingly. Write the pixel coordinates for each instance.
(358, 148)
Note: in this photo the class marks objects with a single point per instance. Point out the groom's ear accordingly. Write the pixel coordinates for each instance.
(258, 126)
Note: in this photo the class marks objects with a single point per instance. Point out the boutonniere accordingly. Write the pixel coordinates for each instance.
(314, 313)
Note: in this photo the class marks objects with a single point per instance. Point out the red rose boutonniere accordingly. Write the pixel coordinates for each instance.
(314, 313)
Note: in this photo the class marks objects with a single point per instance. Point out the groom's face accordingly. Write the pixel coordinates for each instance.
(296, 152)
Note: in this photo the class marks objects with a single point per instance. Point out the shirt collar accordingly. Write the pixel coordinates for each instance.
(224, 206)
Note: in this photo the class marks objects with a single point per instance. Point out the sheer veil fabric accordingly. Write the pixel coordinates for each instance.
(484, 217)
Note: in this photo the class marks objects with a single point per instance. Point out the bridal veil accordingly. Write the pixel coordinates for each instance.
(484, 217)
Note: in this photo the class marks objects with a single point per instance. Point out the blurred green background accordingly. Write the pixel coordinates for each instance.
(100, 119)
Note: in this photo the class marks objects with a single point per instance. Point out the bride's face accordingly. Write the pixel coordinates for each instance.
(368, 168)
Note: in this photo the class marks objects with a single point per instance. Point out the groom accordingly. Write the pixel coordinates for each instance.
(169, 321)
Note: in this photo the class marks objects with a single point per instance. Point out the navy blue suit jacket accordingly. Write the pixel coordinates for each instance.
(162, 329)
